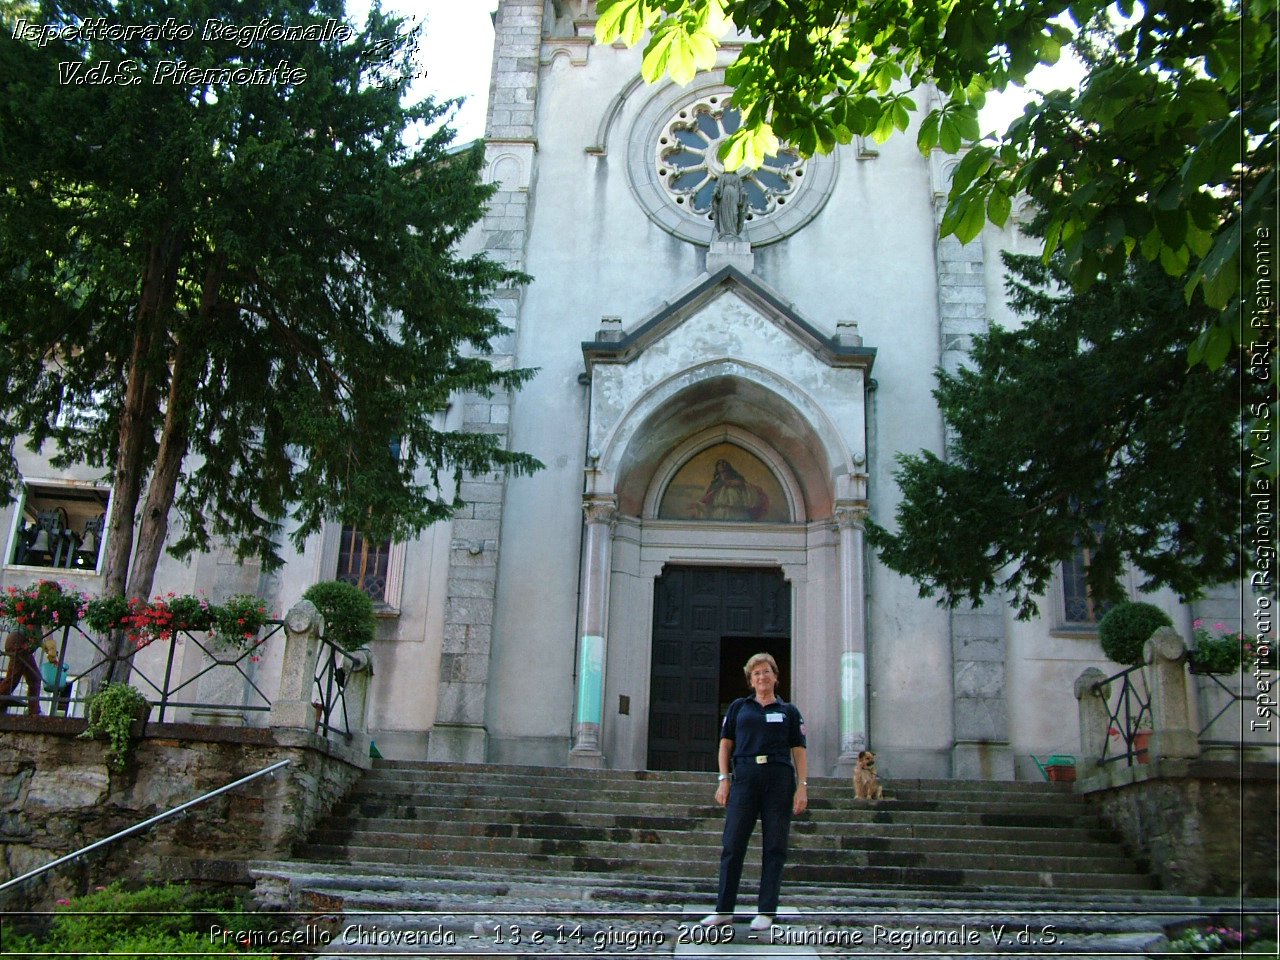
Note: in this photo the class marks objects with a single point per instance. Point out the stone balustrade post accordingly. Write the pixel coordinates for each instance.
(358, 665)
(292, 705)
(1172, 732)
(1092, 693)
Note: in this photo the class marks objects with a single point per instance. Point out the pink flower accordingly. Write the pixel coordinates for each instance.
(64, 902)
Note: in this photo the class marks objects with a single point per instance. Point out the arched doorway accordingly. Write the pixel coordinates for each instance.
(707, 620)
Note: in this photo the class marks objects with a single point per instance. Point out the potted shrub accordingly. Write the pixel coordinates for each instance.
(118, 712)
(348, 613)
(1127, 627)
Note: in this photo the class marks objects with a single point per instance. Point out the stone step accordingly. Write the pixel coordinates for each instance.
(429, 808)
(693, 790)
(945, 835)
(689, 832)
(623, 861)
(454, 795)
(647, 856)
(489, 772)
(481, 913)
(708, 828)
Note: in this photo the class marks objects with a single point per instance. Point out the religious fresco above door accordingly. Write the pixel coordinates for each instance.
(724, 482)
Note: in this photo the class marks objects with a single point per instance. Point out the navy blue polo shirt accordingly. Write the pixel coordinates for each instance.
(755, 729)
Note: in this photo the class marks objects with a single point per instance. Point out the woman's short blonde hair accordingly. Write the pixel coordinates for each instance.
(758, 659)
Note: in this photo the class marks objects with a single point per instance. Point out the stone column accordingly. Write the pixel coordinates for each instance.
(1095, 718)
(850, 519)
(459, 732)
(593, 616)
(1172, 734)
(980, 715)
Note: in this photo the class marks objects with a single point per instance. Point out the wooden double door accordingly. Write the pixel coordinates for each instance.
(707, 621)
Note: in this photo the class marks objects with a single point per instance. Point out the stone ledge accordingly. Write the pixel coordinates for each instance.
(1120, 775)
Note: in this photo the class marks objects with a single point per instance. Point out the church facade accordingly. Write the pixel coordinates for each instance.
(727, 368)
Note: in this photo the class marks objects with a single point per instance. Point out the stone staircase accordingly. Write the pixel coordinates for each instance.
(470, 850)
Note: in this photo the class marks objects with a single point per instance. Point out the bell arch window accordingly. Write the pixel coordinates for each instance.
(59, 525)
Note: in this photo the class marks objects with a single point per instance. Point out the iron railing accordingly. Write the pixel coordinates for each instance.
(169, 690)
(1235, 697)
(330, 688)
(1128, 714)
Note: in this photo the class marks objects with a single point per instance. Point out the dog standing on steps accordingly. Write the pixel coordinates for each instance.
(866, 785)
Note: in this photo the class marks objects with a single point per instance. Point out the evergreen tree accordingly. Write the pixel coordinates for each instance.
(1084, 429)
(231, 276)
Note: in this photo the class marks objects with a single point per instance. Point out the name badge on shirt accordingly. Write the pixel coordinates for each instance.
(775, 717)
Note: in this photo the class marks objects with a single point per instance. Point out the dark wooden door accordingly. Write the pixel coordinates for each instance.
(697, 611)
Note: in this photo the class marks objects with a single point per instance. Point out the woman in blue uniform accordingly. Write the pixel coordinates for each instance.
(763, 776)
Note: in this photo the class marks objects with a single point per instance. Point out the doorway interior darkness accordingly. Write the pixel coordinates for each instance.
(706, 622)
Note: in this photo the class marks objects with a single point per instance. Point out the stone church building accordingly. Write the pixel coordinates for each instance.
(718, 406)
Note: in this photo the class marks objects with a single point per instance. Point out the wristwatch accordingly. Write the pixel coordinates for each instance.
(723, 776)
(804, 783)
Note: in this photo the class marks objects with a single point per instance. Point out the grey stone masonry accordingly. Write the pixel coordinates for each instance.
(980, 715)
(459, 732)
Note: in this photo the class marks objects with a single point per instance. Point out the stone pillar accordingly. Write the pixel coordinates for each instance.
(292, 705)
(459, 732)
(358, 666)
(1095, 718)
(850, 519)
(593, 617)
(1172, 732)
(980, 714)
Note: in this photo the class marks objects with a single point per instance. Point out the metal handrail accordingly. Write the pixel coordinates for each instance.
(143, 825)
(1132, 708)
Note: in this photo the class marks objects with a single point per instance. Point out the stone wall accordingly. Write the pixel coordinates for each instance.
(57, 795)
(1202, 827)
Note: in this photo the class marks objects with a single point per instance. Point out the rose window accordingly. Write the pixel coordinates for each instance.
(688, 162)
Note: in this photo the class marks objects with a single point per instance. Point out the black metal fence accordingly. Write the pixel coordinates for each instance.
(175, 685)
(1129, 717)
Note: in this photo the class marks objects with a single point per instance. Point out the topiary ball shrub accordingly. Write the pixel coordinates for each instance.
(348, 613)
(1126, 627)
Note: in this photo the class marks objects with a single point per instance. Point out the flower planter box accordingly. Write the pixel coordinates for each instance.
(1061, 772)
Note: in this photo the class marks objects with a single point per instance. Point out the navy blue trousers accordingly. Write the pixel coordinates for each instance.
(763, 792)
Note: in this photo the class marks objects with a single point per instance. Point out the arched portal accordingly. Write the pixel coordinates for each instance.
(726, 447)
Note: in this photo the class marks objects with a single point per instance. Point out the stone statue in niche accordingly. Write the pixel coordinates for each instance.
(729, 207)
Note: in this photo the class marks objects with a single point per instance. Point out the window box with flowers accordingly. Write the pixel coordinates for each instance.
(1216, 650)
(235, 623)
(43, 606)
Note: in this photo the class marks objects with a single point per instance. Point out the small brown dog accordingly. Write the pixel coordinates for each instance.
(866, 785)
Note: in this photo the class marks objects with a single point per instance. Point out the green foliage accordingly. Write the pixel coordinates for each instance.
(1082, 430)
(111, 711)
(106, 613)
(1127, 627)
(1217, 650)
(239, 618)
(347, 610)
(163, 921)
(1166, 149)
(257, 280)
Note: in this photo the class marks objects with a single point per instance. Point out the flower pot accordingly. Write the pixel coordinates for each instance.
(1141, 745)
(1061, 773)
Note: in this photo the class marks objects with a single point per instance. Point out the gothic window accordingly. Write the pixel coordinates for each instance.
(364, 563)
(1079, 606)
(688, 161)
(59, 525)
